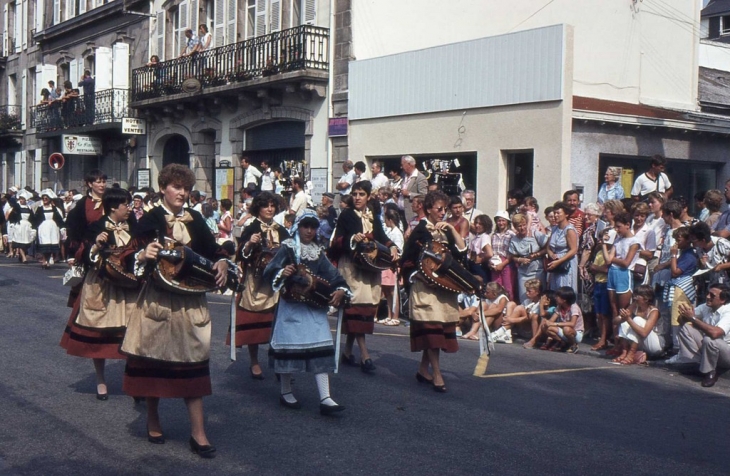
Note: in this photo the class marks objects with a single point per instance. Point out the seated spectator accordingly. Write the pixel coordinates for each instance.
(565, 328)
(638, 332)
(705, 334)
(526, 313)
(545, 309)
(495, 307)
(680, 289)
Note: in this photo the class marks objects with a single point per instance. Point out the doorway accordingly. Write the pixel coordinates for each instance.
(520, 166)
(176, 151)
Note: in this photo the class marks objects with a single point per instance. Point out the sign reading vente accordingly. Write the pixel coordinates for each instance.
(131, 125)
(80, 145)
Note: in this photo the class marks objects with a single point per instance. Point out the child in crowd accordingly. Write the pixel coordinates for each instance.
(496, 305)
(565, 328)
(638, 329)
(526, 313)
(502, 270)
(389, 278)
(601, 302)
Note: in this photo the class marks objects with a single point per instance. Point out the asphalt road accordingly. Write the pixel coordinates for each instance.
(537, 412)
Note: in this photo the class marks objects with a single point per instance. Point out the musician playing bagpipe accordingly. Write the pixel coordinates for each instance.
(301, 340)
(167, 342)
(434, 311)
(257, 300)
(355, 227)
(100, 315)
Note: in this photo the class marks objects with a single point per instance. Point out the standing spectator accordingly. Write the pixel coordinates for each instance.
(389, 278)
(527, 253)
(225, 225)
(207, 212)
(576, 217)
(53, 91)
(515, 198)
(456, 216)
(48, 221)
(562, 250)
(588, 240)
(611, 189)
(646, 236)
(680, 289)
(360, 169)
(480, 247)
(298, 198)
(712, 201)
(191, 44)
(396, 180)
(204, 38)
(598, 269)
(267, 177)
(500, 263)
(722, 226)
(379, 179)
(470, 210)
(196, 201)
(251, 174)
(88, 84)
(653, 180)
(418, 214)
(708, 336)
(703, 212)
(414, 185)
(344, 186)
(328, 201)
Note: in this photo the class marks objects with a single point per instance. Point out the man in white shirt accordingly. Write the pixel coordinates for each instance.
(344, 186)
(705, 333)
(267, 177)
(196, 201)
(298, 201)
(414, 184)
(379, 179)
(250, 173)
(470, 209)
(653, 180)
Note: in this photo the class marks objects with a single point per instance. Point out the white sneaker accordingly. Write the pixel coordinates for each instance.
(459, 333)
(505, 337)
(50, 260)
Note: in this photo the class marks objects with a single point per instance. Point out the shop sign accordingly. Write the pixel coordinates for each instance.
(131, 125)
(80, 145)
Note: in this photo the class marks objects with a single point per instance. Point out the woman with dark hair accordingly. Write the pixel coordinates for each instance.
(167, 342)
(456, 217)
(48, 222)
(515, 198)
(100, 315)
(480, 247)
(359, 223)
(257, 301)
(301, 340)
(565, 328)
(20, 216)
(225, 225)
(713, 202)
(434, 312)
(562, 250)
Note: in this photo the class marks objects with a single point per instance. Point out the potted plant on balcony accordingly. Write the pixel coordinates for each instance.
(9, 120)
(271, 68)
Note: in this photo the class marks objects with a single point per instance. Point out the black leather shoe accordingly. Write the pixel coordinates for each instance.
(293, 405)
(204, 451)
(102, 396)
(710, 379)
(422, 379)
(256, 376)
(349, 360)
(157, 440)
(330, 409)
(439, 388)
(367, 366)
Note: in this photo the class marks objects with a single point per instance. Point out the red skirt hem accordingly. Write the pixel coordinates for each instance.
(433, 335)
(148, 378)
(252, 327)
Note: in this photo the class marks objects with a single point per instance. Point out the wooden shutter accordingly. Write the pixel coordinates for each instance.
(182, 13)
(56, 12)
(39, 84)
(219, 22)
(231, 21)
(120, 69)
(714, 30)
(6, 25)
(18, 21)
(161, 35)
(310, 12)
(73, 73)
(275, 16)
(40, 10)
(24, 24)
(37, 169)
(50, 73)
(23, 98)
(194, 15)
(260, 17)
(82, 6)
(70, 9)
(104, 67)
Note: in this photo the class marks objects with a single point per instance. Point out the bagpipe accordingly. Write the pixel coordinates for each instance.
(181, 270)
(442, 270)
(373, 256)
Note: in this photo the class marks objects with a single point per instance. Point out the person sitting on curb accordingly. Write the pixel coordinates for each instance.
(565, 328)
(638, 331)
(705, 333)
(526, 313)
(495, 307)
(545, 309)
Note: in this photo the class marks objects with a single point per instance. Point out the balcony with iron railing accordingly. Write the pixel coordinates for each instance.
(10, 119)
(103, 109)
(299, 53)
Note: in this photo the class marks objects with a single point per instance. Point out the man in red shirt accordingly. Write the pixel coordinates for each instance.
(576, 218)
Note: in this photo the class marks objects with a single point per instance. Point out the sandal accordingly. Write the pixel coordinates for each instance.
(392, 322)
(619, 358)
(598, 347)
(614, 352)
(471, 337)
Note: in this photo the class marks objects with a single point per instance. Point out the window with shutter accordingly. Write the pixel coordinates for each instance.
(6, 26)
(17, 22)
(231, 21)
(40, 10)
(39, 84)
(275, 16)
(73, 72)
(219, 25)
(37, 169)
(260, 18)
(23, 98)
(70, 9)
(161, 35)
(120, 70)
(310, 12)
(82, 6)
(194, 16)
(56, 12)
(250, 19)
(50, 73)
(296, 13)
(104, 67)
(182, 13)
(24, 24)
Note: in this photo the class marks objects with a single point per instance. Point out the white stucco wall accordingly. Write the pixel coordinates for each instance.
(644, 52)
(714, 55)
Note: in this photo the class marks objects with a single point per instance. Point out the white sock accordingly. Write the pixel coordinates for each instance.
(286, 388)
(323, 385)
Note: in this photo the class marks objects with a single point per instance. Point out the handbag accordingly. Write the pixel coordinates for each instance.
(639, 270)
(74, 276)
(563, 268)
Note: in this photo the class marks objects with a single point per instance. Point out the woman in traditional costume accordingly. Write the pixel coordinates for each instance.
(104, 307)
(20, 217)
(301, 339)
(257, 300)
(434, 311)
(355, 225)
(167, 342)
(48, 221)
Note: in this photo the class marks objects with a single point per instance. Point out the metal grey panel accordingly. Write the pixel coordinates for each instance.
(520, 67)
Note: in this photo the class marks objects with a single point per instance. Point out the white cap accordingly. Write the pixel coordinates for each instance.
(25, 194)
(139, 195)
(78, 197)
(48, 192)
(13, 189)
(502, 214)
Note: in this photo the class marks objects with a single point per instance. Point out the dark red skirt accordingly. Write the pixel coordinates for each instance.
(150, 378)
(359, 319)
(433, 335)
(252, 327)
(91, 343)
